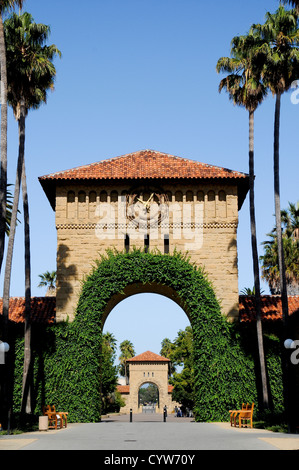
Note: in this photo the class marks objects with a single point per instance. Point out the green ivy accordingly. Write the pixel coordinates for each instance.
(67, 367)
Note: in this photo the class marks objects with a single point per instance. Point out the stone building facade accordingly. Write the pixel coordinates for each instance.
(149, 200)
(147, 367)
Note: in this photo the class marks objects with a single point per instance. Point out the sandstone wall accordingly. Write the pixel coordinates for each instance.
(201, 219)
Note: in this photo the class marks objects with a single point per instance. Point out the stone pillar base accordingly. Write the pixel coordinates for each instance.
(43, 423)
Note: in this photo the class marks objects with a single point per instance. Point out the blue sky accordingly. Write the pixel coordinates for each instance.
(140, 74)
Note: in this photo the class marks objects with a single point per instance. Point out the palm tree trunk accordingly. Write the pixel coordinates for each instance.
(26, 393)
(3, 176)
(281, 262)
(255, 260)
(13, 223)
(282, 275)
(8, 264)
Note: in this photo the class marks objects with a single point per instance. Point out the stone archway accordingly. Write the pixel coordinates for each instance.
(147, 368)
(159, 203)
(155, 402)
(118, 275)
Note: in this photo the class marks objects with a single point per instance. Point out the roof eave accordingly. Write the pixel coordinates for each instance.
(49, 184)
(49, 188)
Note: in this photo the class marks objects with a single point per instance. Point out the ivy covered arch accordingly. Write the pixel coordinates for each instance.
(223, 372)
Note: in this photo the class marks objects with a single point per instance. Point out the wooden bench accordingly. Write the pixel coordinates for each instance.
(244, 415)
(234, 414)
(56, 419)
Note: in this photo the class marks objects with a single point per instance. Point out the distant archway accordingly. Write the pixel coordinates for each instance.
(148, 395)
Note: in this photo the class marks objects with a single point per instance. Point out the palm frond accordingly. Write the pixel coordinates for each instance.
(9, 4)
(244, 80)
(280, 37)
(30, 69)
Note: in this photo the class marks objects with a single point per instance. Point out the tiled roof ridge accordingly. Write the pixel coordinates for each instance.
(104, 160)
(144, 153)
(148, 356)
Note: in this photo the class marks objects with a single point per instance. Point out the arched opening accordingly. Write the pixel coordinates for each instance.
(148, 397)
(146, 319)
(142, 323)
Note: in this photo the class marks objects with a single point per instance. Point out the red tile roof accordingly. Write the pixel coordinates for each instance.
(270, 305)
(148, 356)
(43, 309)
(144, 164)
(123, 388)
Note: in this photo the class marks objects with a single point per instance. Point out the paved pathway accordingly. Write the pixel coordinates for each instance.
(176, 434)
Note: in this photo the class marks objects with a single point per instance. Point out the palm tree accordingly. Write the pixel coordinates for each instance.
(249, 291)
(127, 351)
(270, 268)
(4, 6)
(48, 279)
(290, 220)
(290, 238)
(9, 203)
(109, 341)
(280, 37)
(246, 89)
(30, 74)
